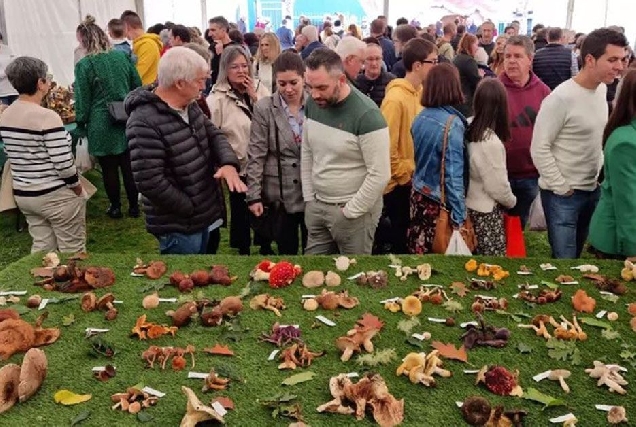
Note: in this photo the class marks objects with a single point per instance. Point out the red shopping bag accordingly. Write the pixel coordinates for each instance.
(515, 243)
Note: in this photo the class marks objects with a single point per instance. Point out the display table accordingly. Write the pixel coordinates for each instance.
(70, 364)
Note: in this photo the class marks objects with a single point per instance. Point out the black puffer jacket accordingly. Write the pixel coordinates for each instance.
(374, 89)
(173, 164)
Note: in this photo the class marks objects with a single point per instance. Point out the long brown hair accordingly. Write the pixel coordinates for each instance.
(465, 44)
(491, 112)
(625, 110)
(442, 87)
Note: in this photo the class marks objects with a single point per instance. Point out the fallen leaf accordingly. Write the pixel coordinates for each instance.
(20, 309)
(450, 352)
(144, 417)
(218, 349)
(225, 401)
(610, 334)
(550, 285)
(67, 397)
(42, 272)
(82, 416)
(524, 348)
(370, 321)
(68, 320)
(453, 306)
(299, 378)
(415, 342)
(595, 322)
(536, 396)
(459, 289)
(610, 297)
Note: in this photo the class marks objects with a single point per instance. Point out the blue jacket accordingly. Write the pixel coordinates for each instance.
(310, 48)
(428, 137)
(286, 37)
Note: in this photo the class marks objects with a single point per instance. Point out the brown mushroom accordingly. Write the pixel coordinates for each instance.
(134, 407)
(197, 412)
(32, 373)
(9, 380)
(88, 302)
(183, 315)
(231, 306)
(332, 279)
(156, 269)
(560, 375)
(34, 301)
(348, 346)
(345, 301)
(617, 415)
(476, 410)
(313, 279)
(150, 301)
(328, 300)
(102, 303)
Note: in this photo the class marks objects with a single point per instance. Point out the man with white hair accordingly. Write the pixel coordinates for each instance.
(310, 34)
(351, 51)
(178, 155)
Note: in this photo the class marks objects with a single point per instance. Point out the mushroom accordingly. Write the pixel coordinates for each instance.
(183, 315)
(617, 415)
(267, 302)
(103, 302)
(476, 410)
(9, 381)
(150, 301)
(231, 306)
(516, 416)
(34, 301)
(313, 279)
(332, 279)
(348, 346)
(32, 373)
(88, 302)
(411, 305)
(328, 300)
(612, 316)
(538, 325)
(310, 304)
(345, 301)
(560, 375)
(343, 263)
(215, 382)
(424, 271)
(197, 412)
(582, 302)
(411, 361)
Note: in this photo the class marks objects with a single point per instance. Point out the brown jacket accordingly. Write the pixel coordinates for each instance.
(262, 169)
(234, 117)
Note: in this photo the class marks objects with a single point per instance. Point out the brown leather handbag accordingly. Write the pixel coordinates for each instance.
(444, 226)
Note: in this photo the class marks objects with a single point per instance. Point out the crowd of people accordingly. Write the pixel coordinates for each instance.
(342, 144)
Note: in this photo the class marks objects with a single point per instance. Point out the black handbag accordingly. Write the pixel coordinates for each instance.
(269, 224)
(116, 110)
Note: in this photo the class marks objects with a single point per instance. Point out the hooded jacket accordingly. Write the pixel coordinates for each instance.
(147, 49)
(400, 107)
(523, 107)
(376, 88)
(173, 163)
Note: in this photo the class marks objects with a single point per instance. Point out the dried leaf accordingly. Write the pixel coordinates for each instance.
(225, 401)
(218, 349)
(299, 378)
(459, 289)
(524, 348)
(68, 320)
(407, 325)
(42, 272)
(610, 297)
(67, 397)
(453, 306)
(380, 357)
(536, 396)
(450, 352)
(82, 416)
(610, 334)
(370, 321)
(595, 277)
(144, 417)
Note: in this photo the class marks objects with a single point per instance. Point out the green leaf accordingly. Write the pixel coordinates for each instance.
(299, 378)
(610, 334)
(610, 297)
(151, 287)
(380, 357)
(453, 306)
(64, 299)
(68, 320)
(286, 397)
(415, 342)
(82, 416)
(407, 325)
(591, 321)
(563, 351)
(144, 417)
(228, 371)
(524, 348)
(536, 396)
(515, 318)
(550, 285)
(20, 309)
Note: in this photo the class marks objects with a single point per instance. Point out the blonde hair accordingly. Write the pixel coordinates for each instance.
(274, 48)
(93, 39)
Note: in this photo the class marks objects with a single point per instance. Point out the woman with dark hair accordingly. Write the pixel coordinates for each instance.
(103, 76)
(488, 188)
(438, 129)
(278, 120)
(251, 41)
(613, 229)
(469, 72)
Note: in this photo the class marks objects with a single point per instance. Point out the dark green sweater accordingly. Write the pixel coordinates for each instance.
(99, 80)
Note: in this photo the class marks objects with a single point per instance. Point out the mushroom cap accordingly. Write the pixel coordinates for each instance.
(88, 302)
(536, 320)
(104, 301)
(555, 374)
(346, 301)
(9, 380)
(32, 373)
(332, 279)
(616, 415)
(313, 279)
(411, 305)
(345, 342)
(476, 410)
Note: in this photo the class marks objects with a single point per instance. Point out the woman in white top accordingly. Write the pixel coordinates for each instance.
(268, 51)
(7, 92)
(489, 189)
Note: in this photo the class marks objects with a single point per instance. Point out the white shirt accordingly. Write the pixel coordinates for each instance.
(6, 56)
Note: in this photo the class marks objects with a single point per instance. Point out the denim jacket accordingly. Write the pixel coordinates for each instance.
(428, 137)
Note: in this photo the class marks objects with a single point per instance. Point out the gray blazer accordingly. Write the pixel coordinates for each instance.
(262, 168)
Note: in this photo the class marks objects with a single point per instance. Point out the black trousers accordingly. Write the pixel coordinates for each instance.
(110, 173)
(239, 223)
(397, 205)
(288, 241)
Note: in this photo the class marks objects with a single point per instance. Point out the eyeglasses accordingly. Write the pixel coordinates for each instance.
(430, 61)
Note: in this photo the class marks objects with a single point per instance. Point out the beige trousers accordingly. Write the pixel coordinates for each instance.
(57, 221)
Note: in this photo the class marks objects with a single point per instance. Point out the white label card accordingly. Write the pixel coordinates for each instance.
(287, 326)
(541, 376)
(153, 392)
(419, 337)
(601, 314)
(353, 375)
(219, 408)
(433, 286)
(43, 303)
(436, 320)
(467, 324)
(326, 321)
(486, 297)
(459, 404)
(167, 300)
(273, 354)
(396, 299)
(96, 330)
(569, 283)
(355, 276)
(308, 296)
(137, 275)
(471, 371)
(528, 286)
(605, 293)
(9, 293)
(606, 408)
(118, 302)
(524, 273)
(198, 375)
(562, 418)
(101, 368)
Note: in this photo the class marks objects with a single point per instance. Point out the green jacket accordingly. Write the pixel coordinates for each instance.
(613, 226)
(99, 80)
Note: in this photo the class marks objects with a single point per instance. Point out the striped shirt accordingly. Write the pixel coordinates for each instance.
(38, 148)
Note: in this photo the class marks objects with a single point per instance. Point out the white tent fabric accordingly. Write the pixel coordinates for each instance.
(46, 29)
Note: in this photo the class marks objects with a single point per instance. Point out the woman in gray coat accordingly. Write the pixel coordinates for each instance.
(281, 117)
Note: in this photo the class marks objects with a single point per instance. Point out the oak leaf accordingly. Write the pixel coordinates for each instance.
(450, 352)
(225, 401)
(218, 349)
(459, 289)
(370, 321)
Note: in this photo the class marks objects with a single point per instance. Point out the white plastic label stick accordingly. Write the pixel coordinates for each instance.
(152, 391)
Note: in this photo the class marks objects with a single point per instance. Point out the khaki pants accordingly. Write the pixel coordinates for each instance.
(57, 221)
(330, 232)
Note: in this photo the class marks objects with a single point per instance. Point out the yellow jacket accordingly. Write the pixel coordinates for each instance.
(400, 106)
(147, 48)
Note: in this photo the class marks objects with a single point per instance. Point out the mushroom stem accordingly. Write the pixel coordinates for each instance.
(564, 385)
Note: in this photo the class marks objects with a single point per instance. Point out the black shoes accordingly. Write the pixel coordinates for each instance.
(114, 212)
(133, 212)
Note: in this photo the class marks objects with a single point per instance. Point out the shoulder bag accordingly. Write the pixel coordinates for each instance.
(443, 225)
(116, 110)
(270, 224)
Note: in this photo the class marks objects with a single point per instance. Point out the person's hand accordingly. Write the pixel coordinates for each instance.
(234, 182)
(249, 87)
(218, 47)
(256, 208)
(569, 193)
(78, 189)
(481, 72)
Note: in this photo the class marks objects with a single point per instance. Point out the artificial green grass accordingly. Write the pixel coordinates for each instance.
(70, 365)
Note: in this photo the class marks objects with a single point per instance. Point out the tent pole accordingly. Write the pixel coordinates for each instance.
(385, 8)
(204, 15)
(139, 5)
(79, 10)
(3, 23)
(606, 10)
(570, 13)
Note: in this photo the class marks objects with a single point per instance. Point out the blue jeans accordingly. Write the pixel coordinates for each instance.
(525, 190)
(184, 244)
(568, 220)
(8, 100)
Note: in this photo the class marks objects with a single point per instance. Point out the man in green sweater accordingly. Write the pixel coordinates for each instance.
(345, 160)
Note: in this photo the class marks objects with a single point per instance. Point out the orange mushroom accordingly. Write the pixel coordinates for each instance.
(631, 308)
(471, 265)
(411, 305)
(483, 271)
(582, 302)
